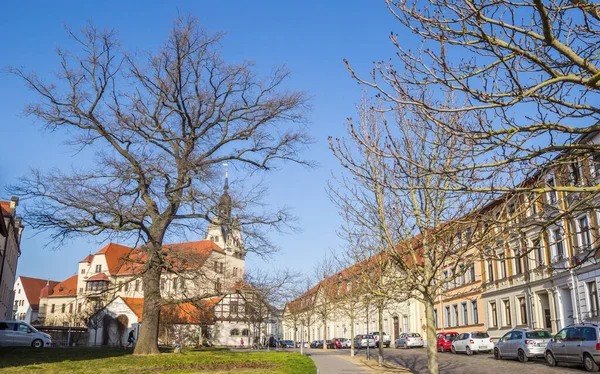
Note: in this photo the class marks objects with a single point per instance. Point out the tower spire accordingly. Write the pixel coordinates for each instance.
(226, 176)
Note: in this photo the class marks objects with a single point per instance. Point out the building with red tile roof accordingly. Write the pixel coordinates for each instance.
(27, 297)
(11, 229)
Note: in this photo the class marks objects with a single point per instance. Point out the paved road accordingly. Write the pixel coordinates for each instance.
(415, 359)
(330, 362)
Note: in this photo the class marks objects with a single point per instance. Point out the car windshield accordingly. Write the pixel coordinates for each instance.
(479, 335)
(414, 335)
(538, 334)
(451, 336)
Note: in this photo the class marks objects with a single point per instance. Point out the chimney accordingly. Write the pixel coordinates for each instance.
(19, 227)
(14, 201)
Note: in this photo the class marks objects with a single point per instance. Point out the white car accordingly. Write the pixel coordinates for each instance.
(346, 343)
(409, 340)
(469, 342)
(386, 339)
(15, 333)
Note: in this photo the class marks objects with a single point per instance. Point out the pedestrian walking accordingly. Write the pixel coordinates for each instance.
(242, 342)
(130, 339)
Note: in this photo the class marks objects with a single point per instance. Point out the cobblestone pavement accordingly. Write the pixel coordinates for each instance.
(416, 359)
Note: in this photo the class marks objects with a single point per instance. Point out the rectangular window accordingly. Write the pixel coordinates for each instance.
(126, 286)
(221, 268)
(233, 307)
(532, 203)
(182, 283)
(494, 316)
(234, 272)
(474, 312)
(552, 195)
(507, 319)
(523, 310)
(162, 284)
(79, 308)
(453, 280)
(445, 279)
(503, 271)
(465, 316)
(52, 309)
(518, 261)
(218, 285)
(558, 244)
(70, 308)
(98, 268)
(175, 284)
(461, 280)
(575, 173)
(447, 316)
(490, 271)
(584, 233)
(454, 315)
(468, 235)
(137, 285)
(539, 254)
(80, 289)
(472, 273)
(435, 318)
(216, 265)
(596, 162)
(82, 271)
(62, 308)
(593, 299)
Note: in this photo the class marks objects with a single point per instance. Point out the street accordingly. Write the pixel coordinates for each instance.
(416, 359)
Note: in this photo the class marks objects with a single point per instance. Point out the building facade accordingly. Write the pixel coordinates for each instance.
(27, 298)
(10, 250)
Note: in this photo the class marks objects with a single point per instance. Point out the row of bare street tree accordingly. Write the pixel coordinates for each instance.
(498, 93)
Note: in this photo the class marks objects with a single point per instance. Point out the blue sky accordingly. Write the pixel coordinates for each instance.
(310, 37)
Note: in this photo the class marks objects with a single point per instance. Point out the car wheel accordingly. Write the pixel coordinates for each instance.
(589, 363)
(37, 343)
(468, 351)
(443, 349)
(550, 359)
(453, 350)
(522, 356)
(497, 354)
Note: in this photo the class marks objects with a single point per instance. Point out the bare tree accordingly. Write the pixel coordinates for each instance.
(528, 75)
(161, 123)
(324, 305)
(422, 223)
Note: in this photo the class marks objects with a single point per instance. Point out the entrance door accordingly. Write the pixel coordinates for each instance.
(396, 328)
(547, 319)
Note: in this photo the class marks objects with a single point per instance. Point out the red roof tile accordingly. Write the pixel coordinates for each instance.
(5, 206)
(178, 313)
(136, 305)
(88, 258)
(98, 277)
(190, 255)
(33, 288)
(114, 254)
(68, 287)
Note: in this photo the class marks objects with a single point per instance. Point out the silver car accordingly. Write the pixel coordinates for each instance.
(522, 344)
(576, 344)
(14, 333)
(409, 339)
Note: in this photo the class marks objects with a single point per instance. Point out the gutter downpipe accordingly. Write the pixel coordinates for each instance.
(576, 295)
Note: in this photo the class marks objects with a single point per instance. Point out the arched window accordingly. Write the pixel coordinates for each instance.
(235, 332)
(245, 332)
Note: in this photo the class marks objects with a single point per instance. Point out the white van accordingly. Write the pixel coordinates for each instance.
(14, 333)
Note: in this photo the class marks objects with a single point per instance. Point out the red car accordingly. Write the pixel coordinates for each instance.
(444, 340)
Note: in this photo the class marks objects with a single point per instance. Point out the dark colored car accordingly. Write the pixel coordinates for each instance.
(287, 343)
(316, 344)
(444, 340)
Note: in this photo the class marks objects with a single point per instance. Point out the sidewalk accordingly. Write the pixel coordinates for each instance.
(332, 363)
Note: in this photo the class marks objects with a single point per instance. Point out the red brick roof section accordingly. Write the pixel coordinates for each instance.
(136, 305)
(68, 287)
(181, 256)
(178, 313)
(87, 259)
(5, 206)
(98, 277)
(33, 288)
(114, 254)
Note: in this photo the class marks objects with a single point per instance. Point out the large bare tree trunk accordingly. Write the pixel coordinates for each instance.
(432, 359)
(148, 337)
(324, 333)
(352, 336)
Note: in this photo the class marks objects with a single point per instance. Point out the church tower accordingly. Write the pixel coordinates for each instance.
(225, 231)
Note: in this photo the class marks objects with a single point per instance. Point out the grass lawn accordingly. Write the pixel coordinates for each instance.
(99, 360)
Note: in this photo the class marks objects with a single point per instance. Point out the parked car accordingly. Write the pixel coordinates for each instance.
(444, 340)
(18, 333)
(336, 343)
(522, 344)
(287, 343)
(408, 340)
(469, 342)
(364, 341)
(316, 344)
(575, 344)
(331, 344)
(346, 343)
(305, 344)
(386, 339)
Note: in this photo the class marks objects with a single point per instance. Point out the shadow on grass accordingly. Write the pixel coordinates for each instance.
(22, 356)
